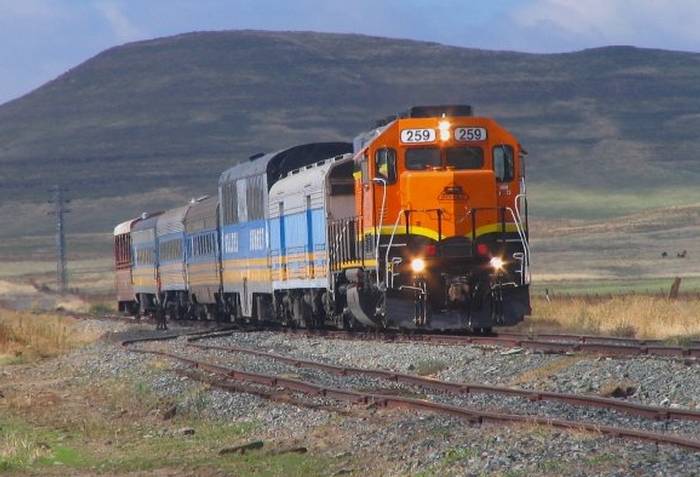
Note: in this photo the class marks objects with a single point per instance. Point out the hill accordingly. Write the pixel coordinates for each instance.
(156, 121)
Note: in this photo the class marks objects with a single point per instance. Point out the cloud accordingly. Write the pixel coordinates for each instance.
(597, 22)
(120, 24)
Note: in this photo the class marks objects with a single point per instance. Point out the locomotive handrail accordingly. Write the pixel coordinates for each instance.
(381, 223)
(526, 243)
(518, 198)
(391, 240)
(517, 220)
(335, 233)
(526, 249)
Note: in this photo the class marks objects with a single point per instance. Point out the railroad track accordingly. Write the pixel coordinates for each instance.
(541, 342)
(275, 383)
(570, 343)
(649, 412)
(582, 338)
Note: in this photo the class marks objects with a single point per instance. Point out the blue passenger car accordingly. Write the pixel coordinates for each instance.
(145, 263)
(204, 258)
(243, 198)
(301, 206)
(170, 233)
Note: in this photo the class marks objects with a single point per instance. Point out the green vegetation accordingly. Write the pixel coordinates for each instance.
(62, 442)
(602, 459)
(25, 447)
(602, 287)
(7, 360)
(552, 466)
(556, 201)
(459, 453)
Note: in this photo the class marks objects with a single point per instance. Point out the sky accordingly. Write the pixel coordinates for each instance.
(40, 39)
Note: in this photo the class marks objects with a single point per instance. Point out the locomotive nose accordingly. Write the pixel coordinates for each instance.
(448, 199)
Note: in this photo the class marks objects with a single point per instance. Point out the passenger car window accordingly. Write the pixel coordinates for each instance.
(465, 157)
(420, 158)
(385, 162)
(241, 195)
(229, 198)
(503, 163)
(255, 197)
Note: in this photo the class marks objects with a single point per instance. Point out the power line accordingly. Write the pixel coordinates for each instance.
(59, 200)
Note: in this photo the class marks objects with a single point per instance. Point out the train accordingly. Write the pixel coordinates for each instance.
(420, 223)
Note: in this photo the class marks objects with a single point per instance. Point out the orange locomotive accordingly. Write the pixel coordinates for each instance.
(440, 233)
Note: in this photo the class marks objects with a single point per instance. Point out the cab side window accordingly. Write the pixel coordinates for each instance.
(385, 164)
(503, 163)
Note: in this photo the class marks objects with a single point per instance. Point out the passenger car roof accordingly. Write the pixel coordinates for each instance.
(278, 163)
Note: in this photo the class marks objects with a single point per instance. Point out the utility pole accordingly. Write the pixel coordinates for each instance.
(59, 200)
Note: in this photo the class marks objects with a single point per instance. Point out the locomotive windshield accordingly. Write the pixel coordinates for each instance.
(465, 157)
(423, 157)
(458, 157)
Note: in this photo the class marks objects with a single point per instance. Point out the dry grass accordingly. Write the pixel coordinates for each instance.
(26, 336)
(543, 372)
(629, 316)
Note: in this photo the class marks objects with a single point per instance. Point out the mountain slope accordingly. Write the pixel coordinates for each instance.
(172, 113)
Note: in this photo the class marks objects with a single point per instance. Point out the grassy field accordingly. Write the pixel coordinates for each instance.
(143, 448)
(115, 427)
(60, 424)
(554, 201)
(660, 286)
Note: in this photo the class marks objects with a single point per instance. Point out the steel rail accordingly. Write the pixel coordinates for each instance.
(513, 342)
(584, 338)
(649, 412)
(175, 334)
(270, 395)
(381, 400)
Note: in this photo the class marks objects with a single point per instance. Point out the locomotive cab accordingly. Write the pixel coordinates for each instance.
(440, 198)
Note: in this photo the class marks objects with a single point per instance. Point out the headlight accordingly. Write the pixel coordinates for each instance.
(417, 265)
(497, 263)
(444, 127)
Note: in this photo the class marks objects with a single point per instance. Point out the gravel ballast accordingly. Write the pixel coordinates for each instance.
(408, 442)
